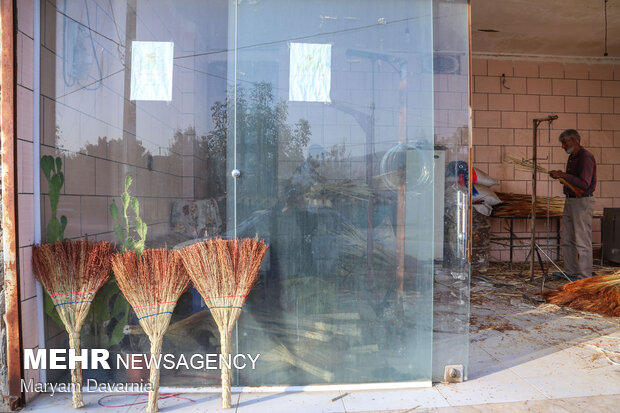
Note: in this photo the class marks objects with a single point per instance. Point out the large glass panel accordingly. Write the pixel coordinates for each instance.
(452, 139)
(334, 142)
(137, 89)
(345, 120)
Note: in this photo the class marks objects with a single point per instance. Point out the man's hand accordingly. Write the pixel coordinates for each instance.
(557, 174)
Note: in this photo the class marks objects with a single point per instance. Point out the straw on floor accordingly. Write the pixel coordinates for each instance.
(599, 294)
(71, 272)
(224, 272)
(152, 283)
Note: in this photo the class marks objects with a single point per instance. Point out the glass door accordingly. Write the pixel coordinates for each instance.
(348, 123)
(332, 134)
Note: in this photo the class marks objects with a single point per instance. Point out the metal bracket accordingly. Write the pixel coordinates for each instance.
(453, 373)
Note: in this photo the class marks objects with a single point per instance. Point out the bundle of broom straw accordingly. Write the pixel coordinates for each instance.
(71, 272)
(599, 294)
(528, 165)
(520, 205)
(224, 272)
(152, 283)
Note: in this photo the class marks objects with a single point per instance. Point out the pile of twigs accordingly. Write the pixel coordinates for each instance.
(520, 205)
(224, 272)
(600, 295)
(71, 272)
(152, 283)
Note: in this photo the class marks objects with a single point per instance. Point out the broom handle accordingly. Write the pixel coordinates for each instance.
(156, 343)
(76, 373)
(225, 338)
(576, 191)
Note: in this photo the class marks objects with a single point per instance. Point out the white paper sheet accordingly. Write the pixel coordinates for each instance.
(310, 72)
(151, 70)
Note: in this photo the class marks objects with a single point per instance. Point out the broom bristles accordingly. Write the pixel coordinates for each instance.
(152, 283)
(72, 272)
(599, 294)
(224, 272)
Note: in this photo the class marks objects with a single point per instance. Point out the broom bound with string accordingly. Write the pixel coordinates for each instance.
(224, 272)
(152, 283)
(71, 272)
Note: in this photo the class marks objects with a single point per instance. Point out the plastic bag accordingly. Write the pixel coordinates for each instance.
(486, 195)
(484, 179)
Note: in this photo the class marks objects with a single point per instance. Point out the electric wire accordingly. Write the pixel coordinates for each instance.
(293, 39)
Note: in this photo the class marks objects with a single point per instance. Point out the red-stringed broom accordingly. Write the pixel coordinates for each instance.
(599, 294)
(71, 272)
(152, 283)
(224, 272)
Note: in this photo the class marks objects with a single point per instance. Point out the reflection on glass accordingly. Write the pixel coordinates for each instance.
(346, 292)
(330, 112)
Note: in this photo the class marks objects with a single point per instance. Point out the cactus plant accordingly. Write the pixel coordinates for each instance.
(111, 296)
(52, 170)
(122, 229)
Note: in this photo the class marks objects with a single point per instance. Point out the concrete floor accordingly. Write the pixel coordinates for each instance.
(523, 357)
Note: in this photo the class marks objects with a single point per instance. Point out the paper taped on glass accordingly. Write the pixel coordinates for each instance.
(310, 72)
(151, 70)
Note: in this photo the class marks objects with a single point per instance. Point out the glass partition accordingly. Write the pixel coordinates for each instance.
(335, 151)
(346, 121)
(453, 138)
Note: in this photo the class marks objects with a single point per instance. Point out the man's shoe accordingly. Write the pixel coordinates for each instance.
(564, 276)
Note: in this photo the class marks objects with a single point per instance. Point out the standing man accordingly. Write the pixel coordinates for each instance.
(577, 217)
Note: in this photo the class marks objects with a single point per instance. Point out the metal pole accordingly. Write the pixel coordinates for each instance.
(535, 124)
(533, 213)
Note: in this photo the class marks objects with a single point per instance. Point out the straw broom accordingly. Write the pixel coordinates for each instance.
(152, 283)
(71, 272)
(600, 295)
(528, 165)
(224, 272)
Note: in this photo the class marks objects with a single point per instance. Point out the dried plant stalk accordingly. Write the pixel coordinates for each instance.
(600, 295)
(71, 272)
(224, 272)
(520, 205)
(152, 283)
(528, 165)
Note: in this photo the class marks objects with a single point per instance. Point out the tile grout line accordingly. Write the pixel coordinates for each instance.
(344, 406)
(238, 402)
(547, 396)
(444, 396)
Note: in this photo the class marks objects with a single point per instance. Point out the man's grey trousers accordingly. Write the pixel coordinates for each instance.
(577, 236)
